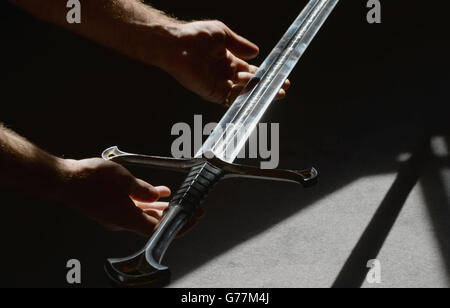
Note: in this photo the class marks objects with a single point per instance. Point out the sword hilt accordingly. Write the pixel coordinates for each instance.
(144, 269)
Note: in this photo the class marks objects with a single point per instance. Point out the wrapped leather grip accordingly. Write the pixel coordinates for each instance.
(199, 182)
(188, 199)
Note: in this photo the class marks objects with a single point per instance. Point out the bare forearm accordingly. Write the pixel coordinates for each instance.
(206, 57)
(102, 190)
(25, 167)
(117, 24)
(55, 11)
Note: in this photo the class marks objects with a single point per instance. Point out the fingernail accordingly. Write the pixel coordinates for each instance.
(163, 189)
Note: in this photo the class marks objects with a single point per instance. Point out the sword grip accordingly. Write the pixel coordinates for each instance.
(188, 199)
(196, 187)
(144, 269)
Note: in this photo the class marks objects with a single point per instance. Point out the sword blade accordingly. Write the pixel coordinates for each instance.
(231, 134)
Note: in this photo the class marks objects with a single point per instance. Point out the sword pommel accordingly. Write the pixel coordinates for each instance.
(137, 272)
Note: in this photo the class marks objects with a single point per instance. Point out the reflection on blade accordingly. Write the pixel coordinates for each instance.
(230, 136)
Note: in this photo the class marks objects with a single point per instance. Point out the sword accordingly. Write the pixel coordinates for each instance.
(214, 161)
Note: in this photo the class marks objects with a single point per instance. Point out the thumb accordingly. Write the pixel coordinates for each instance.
(239, 46)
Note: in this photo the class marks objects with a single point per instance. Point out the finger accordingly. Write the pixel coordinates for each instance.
(144, 224)
(134, 219)
(143, 192)
(155, 214)
(221, 92)
(242, 78)
(281, 94)
(239, 64)
(240, 46)
(152, 206)
(226, 67)
(283, 91)
(253, 69)
(163, 191)
(287, 85)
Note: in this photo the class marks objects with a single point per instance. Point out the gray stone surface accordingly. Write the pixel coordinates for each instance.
(310, 248)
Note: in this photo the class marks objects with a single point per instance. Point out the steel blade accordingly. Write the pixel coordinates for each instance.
(234, 129)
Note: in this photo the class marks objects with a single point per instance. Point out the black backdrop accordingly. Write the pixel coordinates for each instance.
(360, 89)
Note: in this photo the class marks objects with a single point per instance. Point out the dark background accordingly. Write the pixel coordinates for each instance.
(361, 95)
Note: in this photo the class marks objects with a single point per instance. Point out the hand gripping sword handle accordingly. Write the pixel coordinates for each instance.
(144, 269)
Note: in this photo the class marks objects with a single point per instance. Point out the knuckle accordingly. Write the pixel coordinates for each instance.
(218, 30)
(204, 35)
(219, 23)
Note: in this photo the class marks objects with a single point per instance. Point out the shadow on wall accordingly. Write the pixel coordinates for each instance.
(421, 167)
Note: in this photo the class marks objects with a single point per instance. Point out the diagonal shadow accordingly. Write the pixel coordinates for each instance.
(369, 245)
(223, 228)
(436, 198)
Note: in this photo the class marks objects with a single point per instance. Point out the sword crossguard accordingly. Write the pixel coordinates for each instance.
(307, 177)
(144, 269)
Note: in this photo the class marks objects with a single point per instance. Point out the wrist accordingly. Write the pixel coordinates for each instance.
(146, 34)
(68, 170)
(154, 43)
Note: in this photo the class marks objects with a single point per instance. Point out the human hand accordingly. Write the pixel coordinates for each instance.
(112, 196)
(209, 59)
(206, 57)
